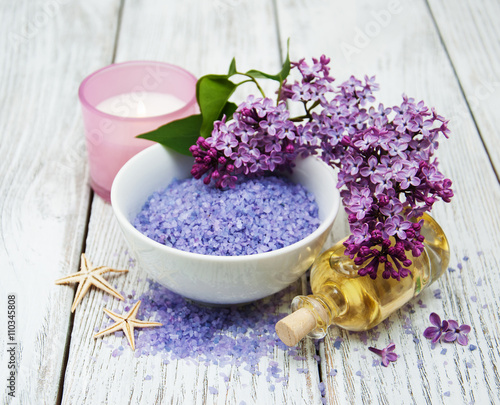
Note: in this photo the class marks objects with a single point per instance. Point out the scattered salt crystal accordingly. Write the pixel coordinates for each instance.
(230, 336)
(338, 342)
(332, 373)
(363, 336)
(421, 304)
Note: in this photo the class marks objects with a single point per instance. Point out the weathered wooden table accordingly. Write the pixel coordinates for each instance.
(444, 52)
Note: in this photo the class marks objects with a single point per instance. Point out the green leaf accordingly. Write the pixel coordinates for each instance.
(212, 92)
(229, 110)
(178, 135)
(282, 75)
(232, 68)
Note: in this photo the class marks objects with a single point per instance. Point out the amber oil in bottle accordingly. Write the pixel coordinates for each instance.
(357, 303)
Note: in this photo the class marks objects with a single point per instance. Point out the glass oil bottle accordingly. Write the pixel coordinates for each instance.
(341, 297)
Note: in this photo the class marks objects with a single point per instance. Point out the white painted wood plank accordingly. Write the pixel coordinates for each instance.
(471, 34)
(44, 197)
(202, 37)
(383, 38)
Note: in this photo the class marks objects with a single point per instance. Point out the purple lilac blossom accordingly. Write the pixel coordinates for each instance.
(458, 333)
(386, 353)
(449, 330)
(386, 171)
(258, 139)
(435, 332)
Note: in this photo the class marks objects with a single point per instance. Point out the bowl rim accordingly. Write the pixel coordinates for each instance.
(326, 223)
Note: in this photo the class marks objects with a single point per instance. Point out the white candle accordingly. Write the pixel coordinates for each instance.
(145, 104)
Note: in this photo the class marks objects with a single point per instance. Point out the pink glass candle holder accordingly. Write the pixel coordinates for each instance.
(124, 100)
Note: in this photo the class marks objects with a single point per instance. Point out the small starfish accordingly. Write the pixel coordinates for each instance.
(127, 323)
(88, 276)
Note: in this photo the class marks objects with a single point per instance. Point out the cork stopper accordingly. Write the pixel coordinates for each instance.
(293, 328)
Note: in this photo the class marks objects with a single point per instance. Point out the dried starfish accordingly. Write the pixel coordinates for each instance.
(88, 276)
(127, 323)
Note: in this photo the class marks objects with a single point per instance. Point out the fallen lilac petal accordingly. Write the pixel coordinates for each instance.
(435, 319)
(392, 356)
(462, 340)
(450, 337)
(435, 332)
(375, 350)
(458, 333)
(386, 353)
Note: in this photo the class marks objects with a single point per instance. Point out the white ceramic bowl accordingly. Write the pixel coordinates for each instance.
(217, 279)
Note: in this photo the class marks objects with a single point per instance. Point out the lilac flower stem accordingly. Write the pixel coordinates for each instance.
(252, 79)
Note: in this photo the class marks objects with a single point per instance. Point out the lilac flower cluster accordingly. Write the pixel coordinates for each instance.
(384, 156)
(259, 139)
(388, 179)
(449, 331)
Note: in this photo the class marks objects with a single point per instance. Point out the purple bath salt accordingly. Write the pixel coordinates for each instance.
(258, 215)
(238, 336)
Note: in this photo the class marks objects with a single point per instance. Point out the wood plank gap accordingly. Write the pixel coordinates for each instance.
(72, 316)
(320, 373)
(278, 30)
(118, 28)
(455, 73)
